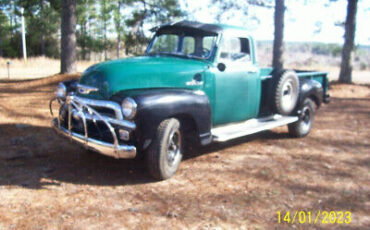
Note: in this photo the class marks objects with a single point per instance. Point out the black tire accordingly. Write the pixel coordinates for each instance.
(165, 153)
(285, 92)
(303, 126)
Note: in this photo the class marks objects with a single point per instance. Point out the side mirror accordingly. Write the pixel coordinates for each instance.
(221, 66)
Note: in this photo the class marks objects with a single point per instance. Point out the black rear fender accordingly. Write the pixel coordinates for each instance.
(312, 89)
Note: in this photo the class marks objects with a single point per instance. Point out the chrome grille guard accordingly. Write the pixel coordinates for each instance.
(81, 107)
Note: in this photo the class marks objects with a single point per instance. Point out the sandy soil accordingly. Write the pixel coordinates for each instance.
(48, 183)
(34, 67)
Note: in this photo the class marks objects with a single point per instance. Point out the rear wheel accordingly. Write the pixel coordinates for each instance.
(165, 153)
(303, 126)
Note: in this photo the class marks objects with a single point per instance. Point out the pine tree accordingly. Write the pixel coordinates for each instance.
(149, 11)
(119, 21)
(105, 17)
(345, 75)
(277, 55)
(86, 16)
(68, 49)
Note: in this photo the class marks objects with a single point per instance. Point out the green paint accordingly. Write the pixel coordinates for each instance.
(141, 72)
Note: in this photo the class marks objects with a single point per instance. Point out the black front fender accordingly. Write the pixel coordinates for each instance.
(156, 105)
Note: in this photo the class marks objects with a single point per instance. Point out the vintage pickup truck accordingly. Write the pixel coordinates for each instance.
(196, 83)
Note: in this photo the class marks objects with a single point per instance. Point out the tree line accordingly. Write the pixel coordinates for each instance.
(99, 25)
(86, 26)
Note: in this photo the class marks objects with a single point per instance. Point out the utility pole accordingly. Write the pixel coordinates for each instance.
(23, 37)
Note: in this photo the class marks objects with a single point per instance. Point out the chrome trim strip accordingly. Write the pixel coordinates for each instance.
(79, 106)
(69, 118)
(102, 104)
(266, 77)
(194, 83)
(85, 89)
(93, 117)
(120, 151)
(254, 125)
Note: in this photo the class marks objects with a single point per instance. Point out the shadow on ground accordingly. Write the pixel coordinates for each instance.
(31, 154)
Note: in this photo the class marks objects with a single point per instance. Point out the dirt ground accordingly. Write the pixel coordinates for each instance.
(48, 183)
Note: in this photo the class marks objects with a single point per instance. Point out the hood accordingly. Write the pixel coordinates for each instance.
(139, 73)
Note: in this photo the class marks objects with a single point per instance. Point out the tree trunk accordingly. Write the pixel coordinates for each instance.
(1, 45)
(68, 52)
(277, 59)
(345, 75)
(105, 41)
(118, 45)
(42, 36)
(83, 42)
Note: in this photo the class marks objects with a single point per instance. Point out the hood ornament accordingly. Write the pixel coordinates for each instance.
(85, 89)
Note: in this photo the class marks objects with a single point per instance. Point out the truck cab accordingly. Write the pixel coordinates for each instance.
(234, 94)
(197, 83)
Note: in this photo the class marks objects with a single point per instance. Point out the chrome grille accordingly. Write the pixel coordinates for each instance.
(109, 108)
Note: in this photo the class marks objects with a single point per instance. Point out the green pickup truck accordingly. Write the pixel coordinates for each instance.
(196, 84)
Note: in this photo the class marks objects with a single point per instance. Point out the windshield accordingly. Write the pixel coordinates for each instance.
(192, 46)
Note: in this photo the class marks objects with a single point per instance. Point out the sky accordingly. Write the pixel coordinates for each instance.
(302, 19)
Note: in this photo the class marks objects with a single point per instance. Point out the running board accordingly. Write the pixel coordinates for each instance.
(240, 129)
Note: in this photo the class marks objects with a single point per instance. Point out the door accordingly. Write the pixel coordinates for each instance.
(236, 87)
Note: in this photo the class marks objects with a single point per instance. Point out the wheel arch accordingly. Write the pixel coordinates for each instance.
(189, 127)
(315, 99)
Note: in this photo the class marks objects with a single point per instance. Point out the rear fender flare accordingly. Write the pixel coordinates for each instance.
(310, 88)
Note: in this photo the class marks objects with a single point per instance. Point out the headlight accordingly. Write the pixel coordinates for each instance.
(129, 107)
(61, 91)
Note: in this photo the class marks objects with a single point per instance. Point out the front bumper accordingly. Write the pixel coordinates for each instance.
(78, 106)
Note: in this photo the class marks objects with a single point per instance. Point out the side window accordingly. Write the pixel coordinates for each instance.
(165, 43)
(235, 49)
(188, 46)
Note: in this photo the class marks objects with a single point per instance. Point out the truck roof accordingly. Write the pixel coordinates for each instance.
(214, 28)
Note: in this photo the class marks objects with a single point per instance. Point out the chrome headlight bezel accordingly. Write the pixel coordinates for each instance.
(61, 91)
(129, 108)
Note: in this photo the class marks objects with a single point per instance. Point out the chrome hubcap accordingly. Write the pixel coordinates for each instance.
(306, 118)
(174, 147)
(287, 92)
(306, 115)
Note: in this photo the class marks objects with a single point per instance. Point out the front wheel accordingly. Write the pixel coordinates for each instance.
(303, 126)
(165, 153)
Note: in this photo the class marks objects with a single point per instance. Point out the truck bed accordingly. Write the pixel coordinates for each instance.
(266, 73)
